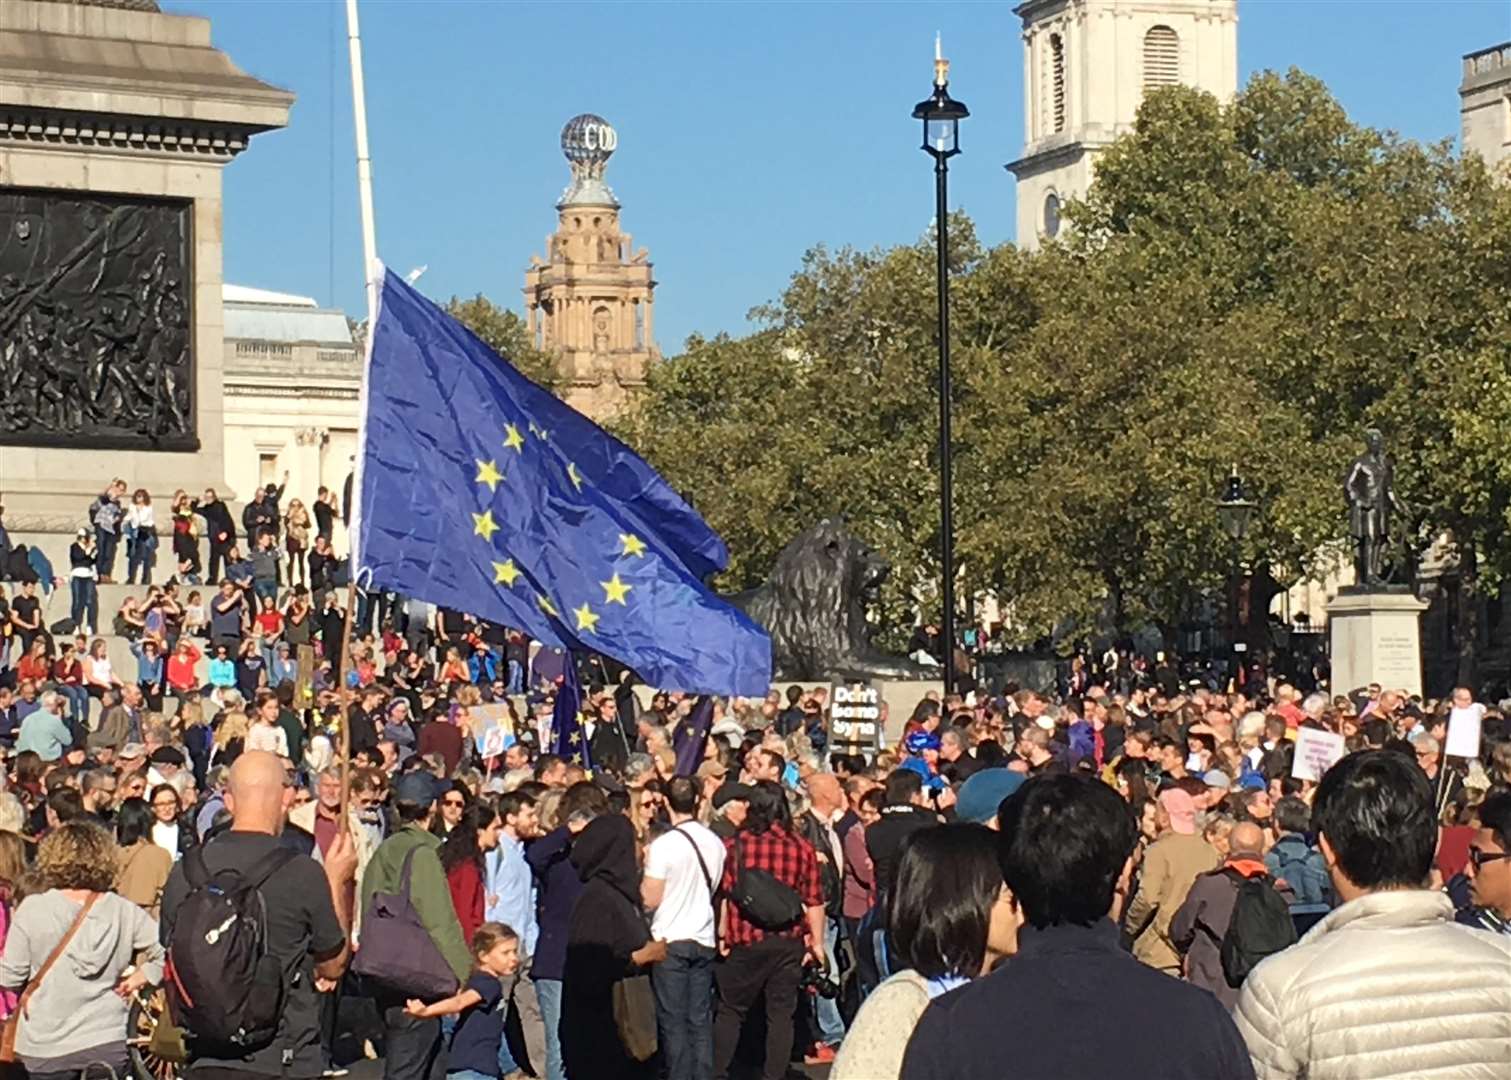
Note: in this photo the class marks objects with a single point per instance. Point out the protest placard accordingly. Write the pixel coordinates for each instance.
(1464, 732)
(1316, 752)
(854, 718)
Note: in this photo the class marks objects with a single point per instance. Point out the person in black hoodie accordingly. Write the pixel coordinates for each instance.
(607, 941)
(222, 532)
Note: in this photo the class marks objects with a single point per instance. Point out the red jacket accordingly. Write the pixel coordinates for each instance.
(467, 896)
(181, 668)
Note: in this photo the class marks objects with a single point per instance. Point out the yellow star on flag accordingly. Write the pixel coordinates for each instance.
(573, 475)
(574, 738)
(483, 525)
(487, 473)
(513, 439)
(586, 620)
(576, 759)
(545, 605)
(633, 545)
(614, 590)
(505, 573)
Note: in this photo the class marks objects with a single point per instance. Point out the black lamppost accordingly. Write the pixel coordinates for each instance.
(1235, 511)
(941, 116)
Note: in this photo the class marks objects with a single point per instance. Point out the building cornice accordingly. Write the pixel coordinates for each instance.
(131, 135)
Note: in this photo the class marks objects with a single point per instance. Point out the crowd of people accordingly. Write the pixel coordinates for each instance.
(478, 894)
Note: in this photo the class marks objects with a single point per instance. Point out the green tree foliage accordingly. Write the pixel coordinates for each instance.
(506, 334)
(1251, 285)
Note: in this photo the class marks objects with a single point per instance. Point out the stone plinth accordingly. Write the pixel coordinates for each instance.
(1376, 638)
(96, 104)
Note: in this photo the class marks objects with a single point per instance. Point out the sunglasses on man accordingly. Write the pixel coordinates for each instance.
(1478, 858)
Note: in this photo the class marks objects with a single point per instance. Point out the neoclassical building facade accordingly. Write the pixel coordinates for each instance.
(1087, 65)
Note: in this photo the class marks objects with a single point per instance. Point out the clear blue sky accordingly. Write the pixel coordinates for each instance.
(748, 132)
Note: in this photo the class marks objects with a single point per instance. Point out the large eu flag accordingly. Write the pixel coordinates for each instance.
(481, 492)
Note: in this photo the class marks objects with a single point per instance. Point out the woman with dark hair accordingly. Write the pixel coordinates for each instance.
(453, 802)
(462, 859)
(950, 918)
(169, 831)
(142, 867)
(608, 940)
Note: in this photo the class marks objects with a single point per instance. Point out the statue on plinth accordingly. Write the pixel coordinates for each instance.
(1369, 488)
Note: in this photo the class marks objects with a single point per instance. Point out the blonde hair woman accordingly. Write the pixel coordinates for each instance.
(297, 533)
(107, 947)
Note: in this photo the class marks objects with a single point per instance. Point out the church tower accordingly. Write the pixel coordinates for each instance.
(1086, 67)
(590, 300)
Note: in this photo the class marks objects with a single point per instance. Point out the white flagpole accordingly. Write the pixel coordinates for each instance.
(364, 166)
(371, 270)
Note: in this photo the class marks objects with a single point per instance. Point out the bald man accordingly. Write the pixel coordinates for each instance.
(308, 913)
(1198, 927)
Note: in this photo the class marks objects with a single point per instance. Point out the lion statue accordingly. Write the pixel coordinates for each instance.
(814, 607)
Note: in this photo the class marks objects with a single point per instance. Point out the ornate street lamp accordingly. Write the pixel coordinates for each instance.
(1233, 509)
(941, 116)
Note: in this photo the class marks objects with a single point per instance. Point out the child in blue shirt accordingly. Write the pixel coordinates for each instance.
(474, 1045)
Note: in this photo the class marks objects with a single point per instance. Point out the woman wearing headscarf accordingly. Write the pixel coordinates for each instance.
(607, 941)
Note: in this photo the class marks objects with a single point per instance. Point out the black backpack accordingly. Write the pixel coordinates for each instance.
(765, 900)
(225, 989)
(1261, 926)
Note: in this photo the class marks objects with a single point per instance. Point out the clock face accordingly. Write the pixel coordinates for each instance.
(1051, 215)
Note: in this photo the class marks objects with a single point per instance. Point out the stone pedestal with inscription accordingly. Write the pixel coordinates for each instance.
(1376, 638)
(115, 123)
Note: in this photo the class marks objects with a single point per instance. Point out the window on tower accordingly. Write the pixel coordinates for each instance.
(1161, 57)
(1057, 81)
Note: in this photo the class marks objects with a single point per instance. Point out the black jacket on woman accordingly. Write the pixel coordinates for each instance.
(605, 929)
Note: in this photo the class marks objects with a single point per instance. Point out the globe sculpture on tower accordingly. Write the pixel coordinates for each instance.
(590, 301)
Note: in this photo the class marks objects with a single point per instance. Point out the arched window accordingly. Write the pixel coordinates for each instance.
(1057, 81)
(1161, 57)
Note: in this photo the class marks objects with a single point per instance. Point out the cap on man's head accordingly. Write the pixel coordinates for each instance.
(418, 787)
(730, 792)
(1217, 778)
(132, 750)
(165, 755)
(711, 768)
(980, 796)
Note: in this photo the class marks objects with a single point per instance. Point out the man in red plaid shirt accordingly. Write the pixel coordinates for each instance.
(757, 960)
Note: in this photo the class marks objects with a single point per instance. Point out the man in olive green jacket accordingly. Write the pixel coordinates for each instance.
(413, 1044)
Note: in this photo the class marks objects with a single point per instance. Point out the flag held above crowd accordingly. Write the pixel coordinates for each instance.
(482, 492)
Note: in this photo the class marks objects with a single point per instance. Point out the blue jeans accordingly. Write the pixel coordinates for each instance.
(831, 1027)
(141, 554)
(548, 991)
(516, 677)
(105, 544)
(78, 701)
(85, 609)
(684, 985)
(469, 1074)
(263, 588)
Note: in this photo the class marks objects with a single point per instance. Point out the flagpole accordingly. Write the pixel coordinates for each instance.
(370, 278)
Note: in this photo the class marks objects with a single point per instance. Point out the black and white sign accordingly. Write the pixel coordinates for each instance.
(854, 718)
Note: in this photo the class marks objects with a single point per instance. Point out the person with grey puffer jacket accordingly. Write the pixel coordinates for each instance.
(1387, 986)
(75, 1019)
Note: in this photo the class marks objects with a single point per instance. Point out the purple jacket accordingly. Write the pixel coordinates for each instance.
(557, 888)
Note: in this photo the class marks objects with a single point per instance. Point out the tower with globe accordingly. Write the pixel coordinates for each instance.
(590, 300)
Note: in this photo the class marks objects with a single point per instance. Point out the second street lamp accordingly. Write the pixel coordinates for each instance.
(1235, 511)
(941, 116)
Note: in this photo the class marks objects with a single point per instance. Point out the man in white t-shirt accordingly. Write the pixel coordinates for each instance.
(682, 868)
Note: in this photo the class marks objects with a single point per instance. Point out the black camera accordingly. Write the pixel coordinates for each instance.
(816, 981)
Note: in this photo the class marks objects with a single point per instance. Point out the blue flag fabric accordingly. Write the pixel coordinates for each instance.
(568, 741)
(481, 492)
(690, 739)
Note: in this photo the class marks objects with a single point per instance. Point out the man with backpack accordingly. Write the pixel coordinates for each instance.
(682, 871)
(1224, 928)
(405, 884)
(254, 932)
(773, 899)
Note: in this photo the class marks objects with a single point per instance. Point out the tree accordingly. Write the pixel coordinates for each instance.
(1249, 284)
(506, 334)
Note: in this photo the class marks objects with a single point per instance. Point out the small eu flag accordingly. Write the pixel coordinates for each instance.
(481, 492)
(568, 741)
(690, 738)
